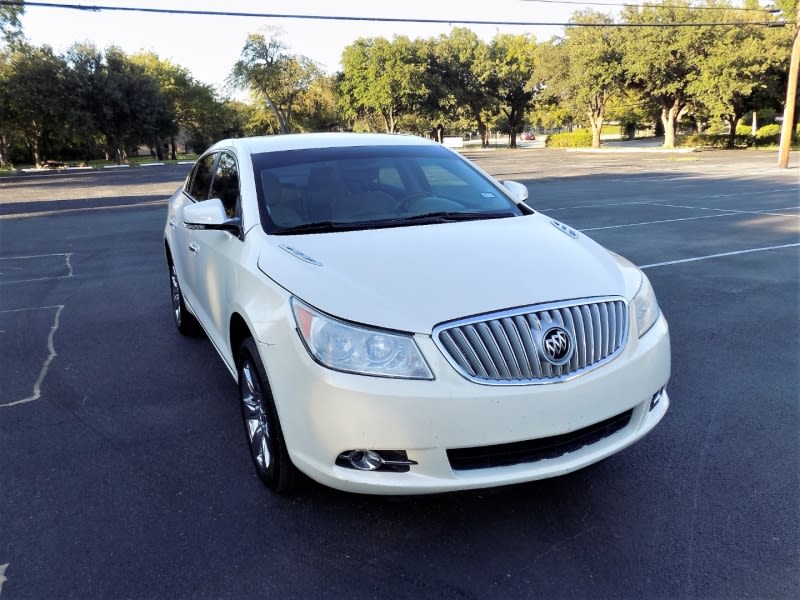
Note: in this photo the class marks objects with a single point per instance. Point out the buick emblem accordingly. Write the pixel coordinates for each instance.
(557, 346)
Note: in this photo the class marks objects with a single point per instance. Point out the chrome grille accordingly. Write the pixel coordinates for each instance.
(506, 348)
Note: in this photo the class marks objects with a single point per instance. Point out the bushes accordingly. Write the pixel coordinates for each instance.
(580, 138)
(769, 135)
(766, 136)
(703, 140)
(768, 131)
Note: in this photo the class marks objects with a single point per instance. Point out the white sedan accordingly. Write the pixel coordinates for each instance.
(399, 322)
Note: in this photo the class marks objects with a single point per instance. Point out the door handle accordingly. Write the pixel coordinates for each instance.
(173, 222)
(194, 248)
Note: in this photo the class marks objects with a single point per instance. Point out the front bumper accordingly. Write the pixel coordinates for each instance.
(324, 413)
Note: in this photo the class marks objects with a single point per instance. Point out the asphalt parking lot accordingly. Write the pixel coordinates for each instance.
(124, 472)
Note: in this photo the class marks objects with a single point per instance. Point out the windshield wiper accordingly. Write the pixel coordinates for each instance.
(445, 216)
(421, 219)
(316, 227)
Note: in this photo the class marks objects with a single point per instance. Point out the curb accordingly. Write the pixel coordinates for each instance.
(608, 149)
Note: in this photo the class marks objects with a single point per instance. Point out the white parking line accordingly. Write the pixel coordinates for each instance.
(776, 211)
(655, 202)
(657, 222)
(688, 260)
(66, 255)
(728, 213)
(64, 211)
(37, 386)
(3, 576)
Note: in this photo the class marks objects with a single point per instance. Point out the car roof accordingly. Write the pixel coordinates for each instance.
(305, 141)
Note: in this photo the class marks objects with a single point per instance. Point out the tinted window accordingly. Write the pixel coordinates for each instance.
(200, 180)
(226, 183)
(371, 186)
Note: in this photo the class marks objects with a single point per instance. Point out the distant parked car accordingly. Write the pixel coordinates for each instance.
(400, 322)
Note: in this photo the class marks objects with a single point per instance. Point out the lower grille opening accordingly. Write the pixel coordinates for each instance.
(514, 453)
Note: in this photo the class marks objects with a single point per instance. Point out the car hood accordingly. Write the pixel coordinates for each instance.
(413, 278)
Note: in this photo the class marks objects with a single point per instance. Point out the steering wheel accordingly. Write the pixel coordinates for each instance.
(403, 203)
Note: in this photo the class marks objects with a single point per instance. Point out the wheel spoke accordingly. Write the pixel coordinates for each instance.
(176, 293)
(255, 415)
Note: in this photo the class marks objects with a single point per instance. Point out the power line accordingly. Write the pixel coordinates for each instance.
(646, 5)
(217, 13)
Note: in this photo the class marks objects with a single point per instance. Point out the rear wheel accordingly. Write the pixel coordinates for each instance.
(184, 320)
(264, 435)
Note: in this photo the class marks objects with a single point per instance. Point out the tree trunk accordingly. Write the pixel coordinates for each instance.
(733, 120)
(755, 124)
(174, 147)
(35, 151)
(5, 151)
(669, 118)
(596, 119)
(282, 123)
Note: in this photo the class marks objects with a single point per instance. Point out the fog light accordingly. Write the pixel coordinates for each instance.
(365, 460)
(396, 461)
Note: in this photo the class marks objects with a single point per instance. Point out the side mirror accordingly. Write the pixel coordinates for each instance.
(210, 214)
(518, 191)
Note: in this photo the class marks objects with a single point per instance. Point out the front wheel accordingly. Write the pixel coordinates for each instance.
(264, 435)
(184, 320)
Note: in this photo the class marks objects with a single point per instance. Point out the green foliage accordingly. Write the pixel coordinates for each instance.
(585, 69)
(768, 131)
(719, 141)
(10, 28)
(510, 73)
(387, 79)
(275, 75)
(457, 73)
(581, 138)
(38, 79)
(663, 62)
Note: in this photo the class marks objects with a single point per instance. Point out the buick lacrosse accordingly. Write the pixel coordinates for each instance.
(400, 322)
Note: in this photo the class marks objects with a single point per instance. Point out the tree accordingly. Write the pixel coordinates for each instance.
(510, 73)
(10, 28)
(131, 109)
(740, 71)
(280, 78)
(86, 66)
(590, 72)
(318, 108)
(663, 62)
(38, 79)
(457, 83)
(384, 78)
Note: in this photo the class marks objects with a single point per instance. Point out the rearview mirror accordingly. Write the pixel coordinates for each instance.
(210, 214)
(518, 191)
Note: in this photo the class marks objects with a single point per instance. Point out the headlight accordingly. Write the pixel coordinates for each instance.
(346, 347)
(646, 307)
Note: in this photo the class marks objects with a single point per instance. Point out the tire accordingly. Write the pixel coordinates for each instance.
(261, 424)
(184, 320)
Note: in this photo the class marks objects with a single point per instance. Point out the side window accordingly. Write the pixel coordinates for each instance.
(226, 183)
(201, 178)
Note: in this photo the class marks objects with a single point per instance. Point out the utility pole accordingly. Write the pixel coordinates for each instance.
(791, 95)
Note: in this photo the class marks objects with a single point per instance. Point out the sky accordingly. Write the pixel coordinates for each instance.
(210, 45)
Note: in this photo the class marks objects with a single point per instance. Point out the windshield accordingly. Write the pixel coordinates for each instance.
(367, 187)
